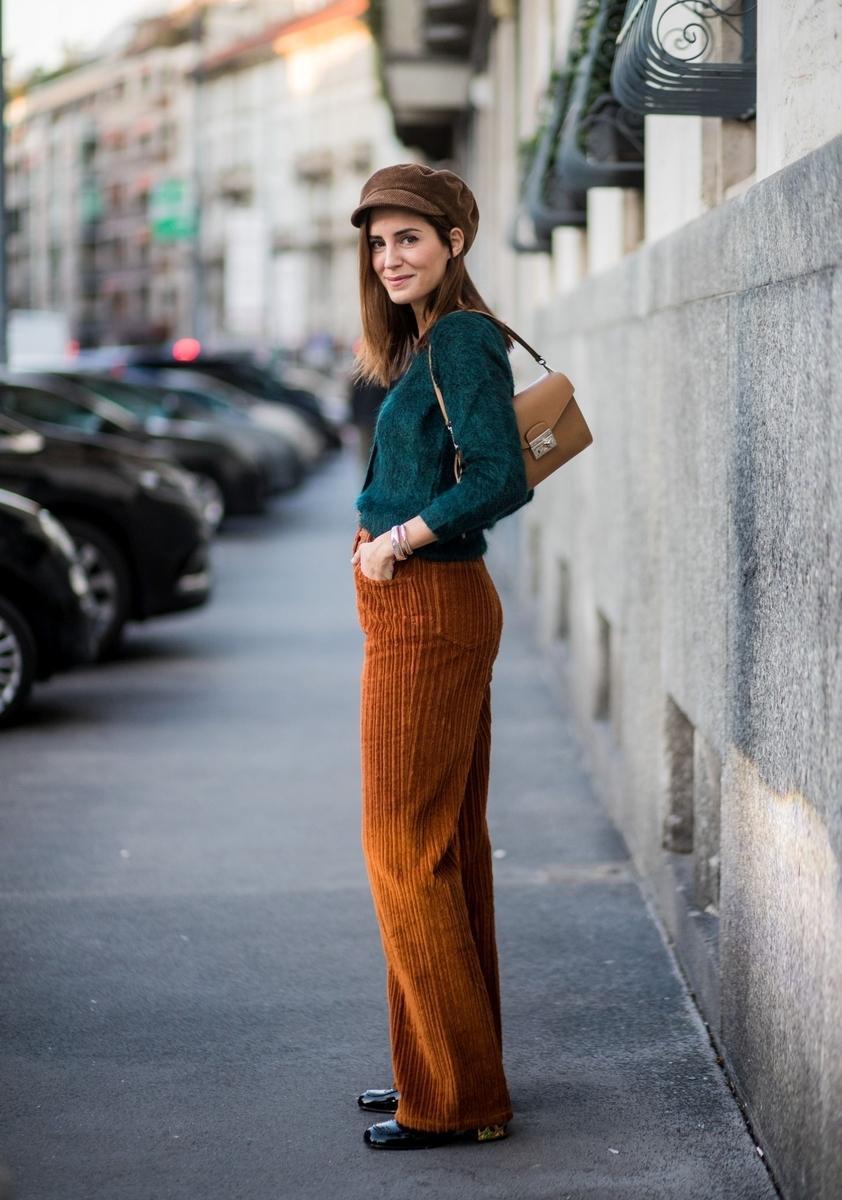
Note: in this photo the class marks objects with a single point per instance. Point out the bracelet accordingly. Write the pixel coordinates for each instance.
(404, 541)
(397, 549)
(401, 547)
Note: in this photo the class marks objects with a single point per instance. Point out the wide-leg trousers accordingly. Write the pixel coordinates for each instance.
(432, 633)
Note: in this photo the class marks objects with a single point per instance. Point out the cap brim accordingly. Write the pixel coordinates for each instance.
(394, 198)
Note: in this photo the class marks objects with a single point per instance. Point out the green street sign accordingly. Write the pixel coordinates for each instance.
(171, 214)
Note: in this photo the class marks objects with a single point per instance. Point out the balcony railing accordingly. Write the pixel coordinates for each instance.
(601, 142)
(688, 57)
(586, 138)
(544, 204)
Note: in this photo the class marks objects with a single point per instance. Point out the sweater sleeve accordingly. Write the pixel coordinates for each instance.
(472, 369)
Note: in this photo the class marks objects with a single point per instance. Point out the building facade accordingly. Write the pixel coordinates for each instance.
(659, 186)
(85, 154)
(198, 179)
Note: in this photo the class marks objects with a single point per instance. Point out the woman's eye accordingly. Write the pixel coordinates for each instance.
(411, 238)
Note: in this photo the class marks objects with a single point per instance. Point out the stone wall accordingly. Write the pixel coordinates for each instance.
(685, 573)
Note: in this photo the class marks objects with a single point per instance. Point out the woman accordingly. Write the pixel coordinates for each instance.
(432, 620)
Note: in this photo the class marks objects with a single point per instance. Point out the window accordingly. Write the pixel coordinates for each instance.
(116, 197)
(54, 258)
(31, 404)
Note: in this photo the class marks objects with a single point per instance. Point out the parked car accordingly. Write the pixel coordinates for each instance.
(47, 616)
(238, 369)
(281, 465)
(230, 466)
(191, 395)
(139, 533)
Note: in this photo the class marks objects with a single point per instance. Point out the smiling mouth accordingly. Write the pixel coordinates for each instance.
(398, 279)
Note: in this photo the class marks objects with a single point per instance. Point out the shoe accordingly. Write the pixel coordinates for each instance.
(379, 1100)
(390, 1135)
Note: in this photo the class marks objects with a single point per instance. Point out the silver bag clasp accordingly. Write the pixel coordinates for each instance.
(543, 443)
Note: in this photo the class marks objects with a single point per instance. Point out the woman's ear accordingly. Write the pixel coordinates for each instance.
(457, 242)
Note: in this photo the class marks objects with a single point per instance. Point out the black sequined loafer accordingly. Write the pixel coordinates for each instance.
(379, 1100)
(390, 1135)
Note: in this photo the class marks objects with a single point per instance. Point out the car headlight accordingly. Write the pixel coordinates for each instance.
(56, 532)
(150, 479)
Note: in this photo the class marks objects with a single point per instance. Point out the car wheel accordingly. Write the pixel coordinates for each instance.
(108, 573)
(18, 656)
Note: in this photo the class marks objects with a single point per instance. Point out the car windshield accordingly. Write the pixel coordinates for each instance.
(142, 401)
(204, 400)
(37, 404)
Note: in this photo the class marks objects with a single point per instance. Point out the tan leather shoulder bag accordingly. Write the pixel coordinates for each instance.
(550, 423)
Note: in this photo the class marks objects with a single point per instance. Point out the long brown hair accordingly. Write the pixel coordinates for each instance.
(390, 332)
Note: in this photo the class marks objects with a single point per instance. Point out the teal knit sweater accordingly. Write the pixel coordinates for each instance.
(410, 470)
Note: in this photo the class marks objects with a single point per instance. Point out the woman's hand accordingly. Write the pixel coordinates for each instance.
(376, 558)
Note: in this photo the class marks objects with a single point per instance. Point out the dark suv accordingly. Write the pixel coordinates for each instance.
(47, 615)
(139, 532)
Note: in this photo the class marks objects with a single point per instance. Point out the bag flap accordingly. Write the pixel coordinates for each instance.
(542, 404)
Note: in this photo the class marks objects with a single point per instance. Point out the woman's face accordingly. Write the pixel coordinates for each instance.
(407, 254)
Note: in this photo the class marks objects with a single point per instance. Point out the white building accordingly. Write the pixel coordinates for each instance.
(292, 124)
(683, 574)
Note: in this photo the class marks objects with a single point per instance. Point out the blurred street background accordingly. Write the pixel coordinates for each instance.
(192, 988)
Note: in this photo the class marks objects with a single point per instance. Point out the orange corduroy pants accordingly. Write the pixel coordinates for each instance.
(432, 633)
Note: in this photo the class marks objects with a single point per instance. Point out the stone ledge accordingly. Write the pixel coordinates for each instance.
(783, 227)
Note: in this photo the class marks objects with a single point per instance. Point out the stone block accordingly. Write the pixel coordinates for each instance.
(784, 618)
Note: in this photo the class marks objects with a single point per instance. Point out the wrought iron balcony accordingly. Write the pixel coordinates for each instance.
(601, 142)
(688, 56)
(583, 140)
(547, 199)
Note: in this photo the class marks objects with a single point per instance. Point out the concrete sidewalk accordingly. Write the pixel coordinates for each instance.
(193, 989)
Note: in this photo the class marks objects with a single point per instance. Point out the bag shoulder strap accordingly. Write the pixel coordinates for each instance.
(440, 398)
(502, 325)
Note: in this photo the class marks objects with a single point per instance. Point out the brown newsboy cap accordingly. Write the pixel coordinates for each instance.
(425, 190)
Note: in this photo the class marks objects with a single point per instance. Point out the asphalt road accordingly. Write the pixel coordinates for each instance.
(192, 985)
